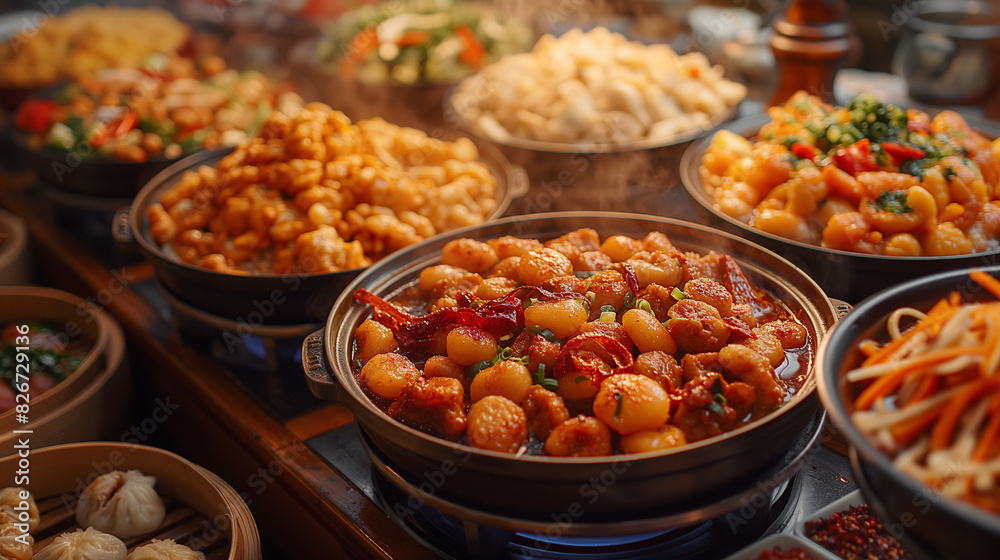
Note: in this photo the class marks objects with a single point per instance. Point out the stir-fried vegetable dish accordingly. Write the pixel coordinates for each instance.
(578, 347)
(867, 177)
(166, 107)
(420, 41)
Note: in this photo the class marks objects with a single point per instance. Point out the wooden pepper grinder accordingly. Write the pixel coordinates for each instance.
(810, 43)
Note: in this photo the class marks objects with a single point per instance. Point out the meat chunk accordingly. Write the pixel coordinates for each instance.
(435, 405)
(697, 326)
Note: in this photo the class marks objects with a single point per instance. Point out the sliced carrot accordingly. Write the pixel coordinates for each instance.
(904, 432)
(928, 385)
(989, 283)
(936, 317)
(885, 385)
(988, 439)
(956, 407)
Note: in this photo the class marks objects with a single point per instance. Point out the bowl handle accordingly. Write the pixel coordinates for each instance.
(318, 377)
(518, 181)
(841, 307)
(121, 226)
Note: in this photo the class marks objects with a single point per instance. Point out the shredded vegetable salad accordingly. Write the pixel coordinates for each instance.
(930, 396)
(420, 41)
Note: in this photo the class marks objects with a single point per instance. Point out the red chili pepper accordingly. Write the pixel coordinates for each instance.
(804, 151)
(117, 128)
(604, 346)
(856, 158)
(187, 131)
(900, 153)
(35, 115)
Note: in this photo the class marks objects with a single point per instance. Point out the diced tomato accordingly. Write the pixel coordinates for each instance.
(900, 153)
(35, 115)
(473, 52)
(804, 151)
(856, 158)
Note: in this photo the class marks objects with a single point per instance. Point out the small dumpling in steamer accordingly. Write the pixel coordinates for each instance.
(84, 545)
(121, 503)
(165, 550)
(12, 506)
(14, 546)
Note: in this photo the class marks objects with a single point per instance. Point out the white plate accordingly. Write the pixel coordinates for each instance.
(784, 542)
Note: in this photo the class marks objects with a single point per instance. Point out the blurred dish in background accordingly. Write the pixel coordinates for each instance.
(51, 49)
(420, 41)
(108, 133)
(314, 193)
(948, 52)
(595, 90)
(867, 178)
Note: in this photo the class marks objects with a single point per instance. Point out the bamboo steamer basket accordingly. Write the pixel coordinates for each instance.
(203, 511)
(85, 405)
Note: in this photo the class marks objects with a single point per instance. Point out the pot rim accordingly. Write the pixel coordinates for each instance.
(748, 126)
(920, 22)
(337, 361)
(831, 353)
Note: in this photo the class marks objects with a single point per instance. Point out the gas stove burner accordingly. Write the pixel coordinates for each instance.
(713, 530)
(267, 347)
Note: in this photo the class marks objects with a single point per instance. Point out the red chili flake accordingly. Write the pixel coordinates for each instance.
(855, 534)
(795, 553)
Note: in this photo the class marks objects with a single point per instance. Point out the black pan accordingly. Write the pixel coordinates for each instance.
(842, 274)
(591, 489)
(932, 526)
(266, 299)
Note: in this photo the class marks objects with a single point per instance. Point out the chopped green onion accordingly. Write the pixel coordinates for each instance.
(677, 294)
(590, 297)
(549, 383)
(607, 317)
(715, 407)
(477, 367)
(629, 300)
(621, 400)
(643, 305)
(717, 386)
(719, 398)
(608, 309)
(548, 335)
(523, 360)
(585, 273)
(580, 379)
(667, 322)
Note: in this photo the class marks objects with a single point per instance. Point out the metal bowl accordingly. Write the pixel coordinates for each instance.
(842, 274)
(947, 52)
(927, 523)
(606, 176)
(540, 486)
(92, 175)
(265, 299)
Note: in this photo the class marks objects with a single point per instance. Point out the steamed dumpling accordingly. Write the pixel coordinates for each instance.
(10, 498)
(165, 550)
(121, 503)
(84, 545)
(15, 545)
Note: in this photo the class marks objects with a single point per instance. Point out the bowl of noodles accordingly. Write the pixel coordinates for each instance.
(909, 378)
